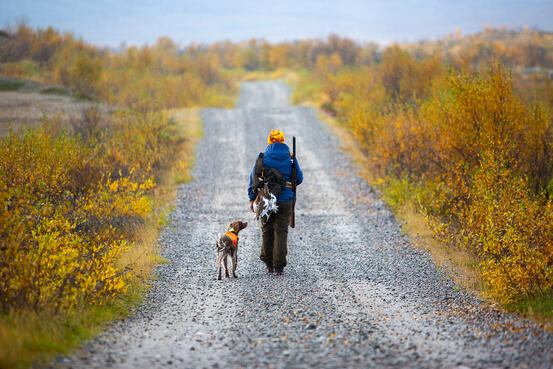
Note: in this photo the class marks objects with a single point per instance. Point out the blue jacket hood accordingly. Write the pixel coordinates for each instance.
(277, 156)
(277, 151)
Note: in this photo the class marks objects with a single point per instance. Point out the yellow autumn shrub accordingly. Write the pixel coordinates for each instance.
(511, 229)
(503, 222)
(68, 202)
(481, 155)
(143, 142)
(76, 66)
(492, 157)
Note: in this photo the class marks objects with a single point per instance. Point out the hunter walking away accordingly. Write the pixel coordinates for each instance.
(272, 194)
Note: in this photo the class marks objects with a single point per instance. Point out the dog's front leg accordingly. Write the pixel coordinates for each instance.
(219, 265)
(226, 267)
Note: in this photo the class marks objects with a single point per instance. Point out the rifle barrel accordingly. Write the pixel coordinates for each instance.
(293, 180)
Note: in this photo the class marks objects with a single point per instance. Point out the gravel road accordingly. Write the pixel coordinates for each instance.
(356, 292)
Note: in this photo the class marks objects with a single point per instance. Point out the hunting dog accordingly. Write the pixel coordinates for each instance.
(227, 246)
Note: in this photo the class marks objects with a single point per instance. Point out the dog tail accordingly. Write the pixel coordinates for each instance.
(217, 242)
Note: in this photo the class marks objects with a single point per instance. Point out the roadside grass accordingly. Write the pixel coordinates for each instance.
(289, 76)
(306, 90)
(55, 90)
(84, 98)
(537, 308)
(256, 75)
(144, 256)
(28, 337)
(226, 100)
(62, 91)
(190, 123)
(6, 85)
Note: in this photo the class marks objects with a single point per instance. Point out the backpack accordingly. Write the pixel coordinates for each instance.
(264, 174)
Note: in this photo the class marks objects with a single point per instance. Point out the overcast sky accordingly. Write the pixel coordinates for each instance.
(111, 22)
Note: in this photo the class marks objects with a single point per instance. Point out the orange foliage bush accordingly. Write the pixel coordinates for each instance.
(483, 156)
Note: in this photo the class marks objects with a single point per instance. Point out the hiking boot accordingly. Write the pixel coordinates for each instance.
(279, 271)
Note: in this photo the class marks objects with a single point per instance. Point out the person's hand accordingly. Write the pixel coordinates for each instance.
(251, 207)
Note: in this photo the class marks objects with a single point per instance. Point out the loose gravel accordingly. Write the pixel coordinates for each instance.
(356, 292)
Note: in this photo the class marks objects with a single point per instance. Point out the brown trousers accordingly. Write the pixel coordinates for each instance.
(275, 235)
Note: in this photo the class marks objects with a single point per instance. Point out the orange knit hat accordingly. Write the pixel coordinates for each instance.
(276, 135)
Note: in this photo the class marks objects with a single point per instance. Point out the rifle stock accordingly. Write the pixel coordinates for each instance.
(293, 180)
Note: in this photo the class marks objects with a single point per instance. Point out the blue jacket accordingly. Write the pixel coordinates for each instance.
(277, 156)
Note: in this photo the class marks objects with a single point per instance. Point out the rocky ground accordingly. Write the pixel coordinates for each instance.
(356, 292)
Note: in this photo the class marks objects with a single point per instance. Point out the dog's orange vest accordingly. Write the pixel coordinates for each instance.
(233, 237)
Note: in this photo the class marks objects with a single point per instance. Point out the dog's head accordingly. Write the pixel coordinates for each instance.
(237, 226)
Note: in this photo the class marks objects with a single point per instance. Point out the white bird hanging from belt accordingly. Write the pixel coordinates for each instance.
(265, 204)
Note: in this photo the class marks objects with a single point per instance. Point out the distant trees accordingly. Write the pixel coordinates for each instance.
(514, 48)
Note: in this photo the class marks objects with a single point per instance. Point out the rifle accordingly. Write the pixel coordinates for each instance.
(293, 180)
